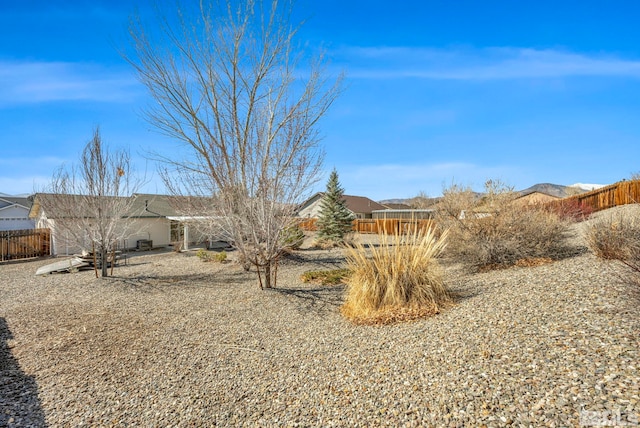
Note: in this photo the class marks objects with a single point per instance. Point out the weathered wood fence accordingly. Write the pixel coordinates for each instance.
(23, 244)
(380, 226)
(621, 193)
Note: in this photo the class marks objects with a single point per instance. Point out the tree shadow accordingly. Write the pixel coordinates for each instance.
(159, 282)
(298, 258)
(19, 401)
(570, 251)
(318, 300)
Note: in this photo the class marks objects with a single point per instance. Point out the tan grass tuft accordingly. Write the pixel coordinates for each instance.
(326, 277)
(533, 261)
(398, 280)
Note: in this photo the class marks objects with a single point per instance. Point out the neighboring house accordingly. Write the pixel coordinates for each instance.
(394, 206)
(404, 214)
(155, 224)
(14, 213)
(535, 198)
(360, 206)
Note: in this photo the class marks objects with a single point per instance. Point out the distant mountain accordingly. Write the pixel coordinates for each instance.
(394, 201)
(557, 190)
(588, 187)
(424, 203)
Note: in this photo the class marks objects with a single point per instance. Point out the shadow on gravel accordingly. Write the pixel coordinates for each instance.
(170, 282)
(315, 300)
(330, 261)
(19, 402)
(571, 251)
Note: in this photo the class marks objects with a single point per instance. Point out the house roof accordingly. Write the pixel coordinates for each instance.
(356, 204)
(148, 206)
(6, 201)
(143, 205)
(362, 204)
(533, 192)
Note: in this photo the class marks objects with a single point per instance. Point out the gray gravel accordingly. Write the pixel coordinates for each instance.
(172, 341)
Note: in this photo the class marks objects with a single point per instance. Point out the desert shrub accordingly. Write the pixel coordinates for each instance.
(242, 260)
(571, 209)
(616, 236)
(207, 256)
(399, 280)
(203, 255)
(326, 277)
(491, 231)
(220, 257)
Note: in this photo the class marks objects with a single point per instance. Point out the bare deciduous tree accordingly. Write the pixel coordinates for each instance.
(90, 202)
(422, 201)
(228, 83)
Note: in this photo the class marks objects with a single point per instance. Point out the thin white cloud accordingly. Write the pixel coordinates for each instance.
(36, 82)
(480, 64)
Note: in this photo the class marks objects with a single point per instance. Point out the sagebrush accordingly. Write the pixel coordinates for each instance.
(616, 236)
(491, 230)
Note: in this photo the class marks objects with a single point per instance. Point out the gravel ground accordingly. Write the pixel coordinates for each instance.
(173, 341)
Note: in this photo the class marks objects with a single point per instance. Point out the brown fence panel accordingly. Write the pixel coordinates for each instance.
(410, 226)
(308, 224)
(365, 225)
(388, 226)
(621, 193)
(24, 244)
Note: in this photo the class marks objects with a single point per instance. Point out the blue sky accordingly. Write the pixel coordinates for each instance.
(437, 91)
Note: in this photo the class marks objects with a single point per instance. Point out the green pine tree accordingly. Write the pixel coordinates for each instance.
(335, 219)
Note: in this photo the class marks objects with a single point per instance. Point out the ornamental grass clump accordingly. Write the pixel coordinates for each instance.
(400, 280)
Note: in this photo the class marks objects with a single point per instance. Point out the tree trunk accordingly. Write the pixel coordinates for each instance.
(267, 275)
(270, 273)
(95, 263)
(103, 260)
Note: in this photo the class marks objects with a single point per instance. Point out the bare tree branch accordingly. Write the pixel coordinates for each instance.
(226, 81)
(89, 202)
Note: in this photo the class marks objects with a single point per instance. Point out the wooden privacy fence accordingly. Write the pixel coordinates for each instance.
(621, 193)
(23, 244)
(390, 226)
(308, 224)
(382, 226)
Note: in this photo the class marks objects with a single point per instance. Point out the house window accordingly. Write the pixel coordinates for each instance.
(177, 231)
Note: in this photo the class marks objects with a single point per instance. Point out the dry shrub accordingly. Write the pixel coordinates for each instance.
(399, 280)
(616, 236)
(490, 231)
(571, 209)
(326, 277)
(204, 255)
(536, 261)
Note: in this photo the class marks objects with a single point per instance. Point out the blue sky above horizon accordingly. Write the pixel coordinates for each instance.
(437, 91)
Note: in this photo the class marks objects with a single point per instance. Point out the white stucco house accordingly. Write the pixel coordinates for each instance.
(14, 213)
(154, 223)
